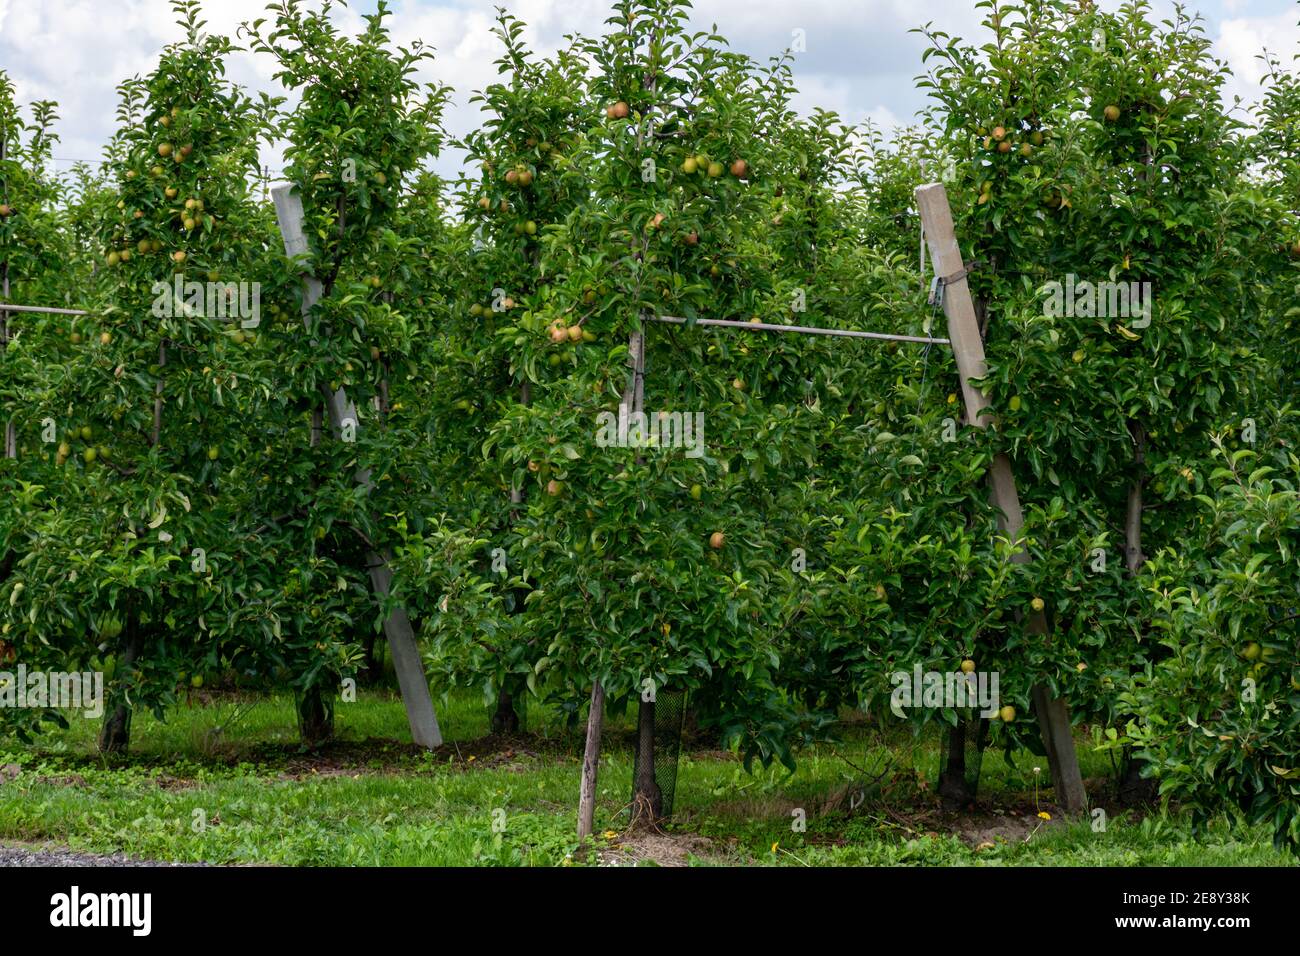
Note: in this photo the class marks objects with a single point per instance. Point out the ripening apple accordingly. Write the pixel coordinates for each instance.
(164, 149)
(105, 338)
(999, 133)
(717, 540)
(525, 178)
(696, 492)
(170, 192)
(1037, 604)
(740, 169)
(1008, 714)
(554, 487)
(89, 456)
(690, 166)
(485, 204)
(1111, 113)
(968, 666)
(559, 334)
(716, 170)
(1004, 146)
(575, 333)
(113, 259)
(179, 256)
(512, 176)
(530, 228)
(214, 453)
(621, 110)
(1078, 355)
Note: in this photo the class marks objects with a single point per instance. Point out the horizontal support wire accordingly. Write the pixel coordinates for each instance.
(803, 329)
(7, 307)
(668, 319)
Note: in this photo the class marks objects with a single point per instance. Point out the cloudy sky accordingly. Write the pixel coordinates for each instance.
(860, 59)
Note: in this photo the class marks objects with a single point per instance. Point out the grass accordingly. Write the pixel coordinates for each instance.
(224, 781)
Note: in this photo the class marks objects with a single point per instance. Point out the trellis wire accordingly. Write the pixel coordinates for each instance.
(803, 329)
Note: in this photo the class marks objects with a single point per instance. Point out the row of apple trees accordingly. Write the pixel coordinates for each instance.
(192, 512)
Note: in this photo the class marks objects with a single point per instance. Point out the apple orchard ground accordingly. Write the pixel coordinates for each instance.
(224, 781)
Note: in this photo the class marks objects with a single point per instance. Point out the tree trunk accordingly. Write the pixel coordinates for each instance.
(1133, 556)
(370, 671)
(953, 788)
(115, 735)
(10, 434)
(315, 717)
(1133, 788)
(505, 720)
(647, 801)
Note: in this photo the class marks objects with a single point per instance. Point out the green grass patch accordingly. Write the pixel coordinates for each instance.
(223, 780)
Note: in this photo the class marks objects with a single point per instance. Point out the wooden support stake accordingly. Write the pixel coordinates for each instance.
(968, 348)
(633, 397)
(591, 762)
(411, 678)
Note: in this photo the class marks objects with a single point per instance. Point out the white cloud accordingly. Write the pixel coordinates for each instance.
(860, 62)
(1240, 42)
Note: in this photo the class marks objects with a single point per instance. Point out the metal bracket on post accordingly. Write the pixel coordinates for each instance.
(935, 299)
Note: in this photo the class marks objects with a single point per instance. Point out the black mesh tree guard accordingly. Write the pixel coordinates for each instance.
(960, 757)
(669, 719)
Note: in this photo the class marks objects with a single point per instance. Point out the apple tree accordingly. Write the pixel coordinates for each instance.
(357, 139)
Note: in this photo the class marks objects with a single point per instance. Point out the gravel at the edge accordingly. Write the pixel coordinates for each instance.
(24, 855)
